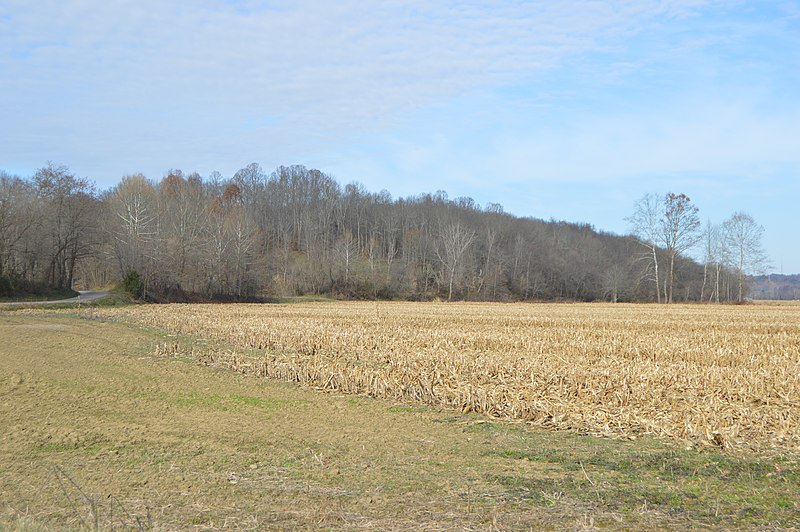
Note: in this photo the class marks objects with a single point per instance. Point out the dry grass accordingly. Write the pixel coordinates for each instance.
(96, 431)
(723, 376)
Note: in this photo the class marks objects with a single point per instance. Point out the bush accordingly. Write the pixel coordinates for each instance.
(6, 289)
(133, 285)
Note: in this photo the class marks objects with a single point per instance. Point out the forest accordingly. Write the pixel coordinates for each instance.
(298, 231)
(775, 287)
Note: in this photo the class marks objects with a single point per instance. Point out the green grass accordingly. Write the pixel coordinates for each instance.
(703, 486)
(58, 447)
(400, 409)
(116, 298)
(232, 402)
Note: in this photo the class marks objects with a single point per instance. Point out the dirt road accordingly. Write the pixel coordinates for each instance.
(83, 296)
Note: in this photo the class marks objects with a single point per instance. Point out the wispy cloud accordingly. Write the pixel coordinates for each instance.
(255, 77)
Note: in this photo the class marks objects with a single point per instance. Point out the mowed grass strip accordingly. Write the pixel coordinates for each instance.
(97, 431)
(723, 376)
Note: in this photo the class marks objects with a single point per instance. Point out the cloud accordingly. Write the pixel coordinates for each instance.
(276, 77)
(680, 138)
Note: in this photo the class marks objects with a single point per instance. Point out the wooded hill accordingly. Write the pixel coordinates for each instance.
(775, 286)
(298, 231)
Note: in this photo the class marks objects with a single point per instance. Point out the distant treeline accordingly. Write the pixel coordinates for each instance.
(298, 231)
(775, 286)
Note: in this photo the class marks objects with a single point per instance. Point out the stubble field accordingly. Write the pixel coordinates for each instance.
(132, 418)
(726, 377)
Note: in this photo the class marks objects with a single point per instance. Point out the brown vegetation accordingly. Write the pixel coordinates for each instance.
(99, 430)
(722, 376)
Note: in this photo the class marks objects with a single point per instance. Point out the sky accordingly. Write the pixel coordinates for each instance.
(570, 110)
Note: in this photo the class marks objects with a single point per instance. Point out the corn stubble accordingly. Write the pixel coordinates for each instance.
(724, 376)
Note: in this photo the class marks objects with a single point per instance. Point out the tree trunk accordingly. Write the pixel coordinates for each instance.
(655, 267)
(671, 276)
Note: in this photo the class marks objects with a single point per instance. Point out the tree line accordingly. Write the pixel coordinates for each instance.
(668, 226)
(776, 287)
(297, 231)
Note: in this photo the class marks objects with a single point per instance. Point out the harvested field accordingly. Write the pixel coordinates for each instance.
(98, 431)
(725, 376)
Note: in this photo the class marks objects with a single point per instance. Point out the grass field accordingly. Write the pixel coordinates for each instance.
(142, 426)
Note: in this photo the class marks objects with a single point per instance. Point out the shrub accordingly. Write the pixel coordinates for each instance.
(133, 284)
(6, 289)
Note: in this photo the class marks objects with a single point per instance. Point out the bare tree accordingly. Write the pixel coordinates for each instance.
(613, 279)
(218, 240)
(18, 218)
(680, 227)
(454, 239)
(743, 239)
(133, 225)
(243, 237)
(645, 224)
(709, 256)
(68, 216)
(182, 200)
(347, 250)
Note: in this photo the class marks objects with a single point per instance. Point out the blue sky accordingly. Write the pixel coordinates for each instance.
(569, 110)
